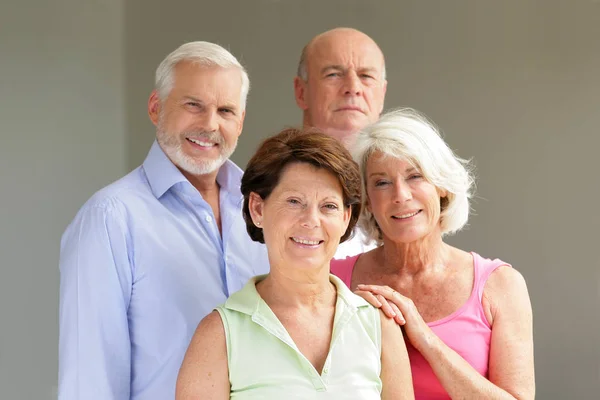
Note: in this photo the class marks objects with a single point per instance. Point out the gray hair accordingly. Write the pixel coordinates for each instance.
(203, 53)
(405, 134)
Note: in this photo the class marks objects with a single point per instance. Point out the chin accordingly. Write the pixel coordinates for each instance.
(409, 237)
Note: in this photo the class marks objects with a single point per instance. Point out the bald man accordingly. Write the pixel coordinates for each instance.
(340, 87)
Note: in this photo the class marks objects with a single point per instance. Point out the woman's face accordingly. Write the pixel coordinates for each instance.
(304, 217)
(405, 205)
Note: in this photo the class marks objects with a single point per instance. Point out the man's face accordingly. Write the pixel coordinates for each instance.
(199, 122)
(345, 89)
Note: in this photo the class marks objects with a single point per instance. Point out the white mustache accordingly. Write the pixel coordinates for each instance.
(214, 137)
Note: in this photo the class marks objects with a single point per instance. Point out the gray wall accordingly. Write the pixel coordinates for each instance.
(63, 137)
(512, 84)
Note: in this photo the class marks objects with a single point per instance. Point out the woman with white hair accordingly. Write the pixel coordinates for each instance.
(468, 319)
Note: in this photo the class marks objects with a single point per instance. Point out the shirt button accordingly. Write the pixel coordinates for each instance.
(208, 218)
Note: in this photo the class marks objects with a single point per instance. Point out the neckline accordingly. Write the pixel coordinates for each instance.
(462, 308)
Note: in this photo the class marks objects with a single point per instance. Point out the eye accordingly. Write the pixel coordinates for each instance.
(415, 176)
(333, 75)
(381, 183)
(226, 111)
(192, 104)
(367, 76)
(331, 206)
(294, 202)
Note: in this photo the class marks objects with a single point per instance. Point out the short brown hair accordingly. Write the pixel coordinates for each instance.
(300, 146)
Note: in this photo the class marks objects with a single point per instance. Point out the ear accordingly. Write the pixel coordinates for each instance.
(256, 206)
(154, 107)
(442, 193)
(300, 90)
(241, 124)
(383, 96)
(347, 215)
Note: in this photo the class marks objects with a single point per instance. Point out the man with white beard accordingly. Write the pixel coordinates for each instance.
(147, 257)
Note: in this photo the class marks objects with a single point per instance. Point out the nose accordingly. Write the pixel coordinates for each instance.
(310, 217)
(209, 121)
(353, 85)
(402, 192)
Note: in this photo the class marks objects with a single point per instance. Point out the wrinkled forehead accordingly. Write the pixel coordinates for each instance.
(356, 52)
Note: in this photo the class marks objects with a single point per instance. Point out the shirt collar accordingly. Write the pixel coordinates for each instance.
(162, 174)
(248, 301)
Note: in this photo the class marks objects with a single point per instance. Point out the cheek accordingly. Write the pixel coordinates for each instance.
(377, 200)
(230, 129)
(323, 97)
(374, 100)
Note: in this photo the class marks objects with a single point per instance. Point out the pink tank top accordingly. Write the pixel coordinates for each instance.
(466, 330)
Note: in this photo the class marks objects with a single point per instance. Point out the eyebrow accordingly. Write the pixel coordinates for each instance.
(197, 100)
(334, 67)
(406, 171)
(342, 68)
(194, 99)
(295, 192)
(377, 174)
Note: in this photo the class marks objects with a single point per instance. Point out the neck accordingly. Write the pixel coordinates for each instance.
(347, 138)
(206, 184)
(416, 257)
(298, 289)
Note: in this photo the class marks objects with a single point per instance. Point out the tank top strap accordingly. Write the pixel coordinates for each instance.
(483, 268)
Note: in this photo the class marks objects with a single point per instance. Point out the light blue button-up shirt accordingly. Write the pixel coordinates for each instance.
(140, 265)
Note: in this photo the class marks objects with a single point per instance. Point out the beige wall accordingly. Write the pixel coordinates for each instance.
(512, 84)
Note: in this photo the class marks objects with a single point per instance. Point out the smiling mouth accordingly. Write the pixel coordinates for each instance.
(201, 143)
(307, 241)
(406, 216)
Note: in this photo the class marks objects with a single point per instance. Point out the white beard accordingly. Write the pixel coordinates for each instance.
(171, 145)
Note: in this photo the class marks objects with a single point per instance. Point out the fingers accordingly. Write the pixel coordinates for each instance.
(369, 297)
(384, 291)
(386, 307)
(399, 318)
(390, 300)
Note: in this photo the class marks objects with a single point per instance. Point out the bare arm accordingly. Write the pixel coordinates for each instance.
(395, 367)
(204, 373)
(511, 371)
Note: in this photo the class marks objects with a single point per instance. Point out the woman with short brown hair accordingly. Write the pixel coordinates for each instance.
(297, 332)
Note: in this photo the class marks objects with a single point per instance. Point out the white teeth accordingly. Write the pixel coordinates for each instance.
(303, 241)
(201, 143)
(404, 216)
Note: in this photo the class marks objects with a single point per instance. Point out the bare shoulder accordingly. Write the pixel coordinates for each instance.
(392, 341)
(209, 339)
(505, 293)
(505, 280)
(212, 323)
(390, 330)
(204, 371)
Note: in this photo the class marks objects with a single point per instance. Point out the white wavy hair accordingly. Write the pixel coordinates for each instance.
(406, 134)
(203, 53)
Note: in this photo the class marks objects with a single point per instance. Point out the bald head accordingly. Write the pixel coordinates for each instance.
(335, 36)
(340, 84)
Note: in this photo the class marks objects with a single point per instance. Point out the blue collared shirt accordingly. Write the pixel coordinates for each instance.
(140, 265)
